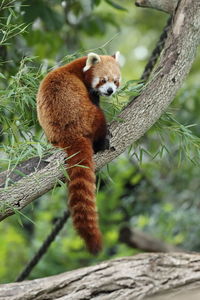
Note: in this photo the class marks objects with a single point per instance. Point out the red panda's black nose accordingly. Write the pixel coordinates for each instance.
(109, 91)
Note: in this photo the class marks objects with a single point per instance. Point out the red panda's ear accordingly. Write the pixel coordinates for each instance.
(92, 59)
(117, 56)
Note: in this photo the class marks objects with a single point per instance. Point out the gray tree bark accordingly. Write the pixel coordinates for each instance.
(175, 63)
(167, 6)
(137, 239)
(143, 276)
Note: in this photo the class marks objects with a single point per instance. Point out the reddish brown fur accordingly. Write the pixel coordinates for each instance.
(71, 121)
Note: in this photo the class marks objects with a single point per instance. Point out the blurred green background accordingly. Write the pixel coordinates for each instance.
(154, 186)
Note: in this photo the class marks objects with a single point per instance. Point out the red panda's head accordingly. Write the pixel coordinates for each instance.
(102, 73)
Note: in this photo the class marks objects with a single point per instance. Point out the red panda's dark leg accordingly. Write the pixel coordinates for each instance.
(101, 137)
(101, 144)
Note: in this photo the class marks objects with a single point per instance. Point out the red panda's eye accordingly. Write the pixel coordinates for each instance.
(115, 82)
(103, 80)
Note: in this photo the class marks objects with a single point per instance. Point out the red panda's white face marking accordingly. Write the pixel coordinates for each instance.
(95, 82)
(105, 86)
(105, 73)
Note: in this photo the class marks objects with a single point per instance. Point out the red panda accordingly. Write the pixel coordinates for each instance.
(68, 111)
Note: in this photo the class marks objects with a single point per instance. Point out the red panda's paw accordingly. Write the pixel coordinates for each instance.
(101, 145)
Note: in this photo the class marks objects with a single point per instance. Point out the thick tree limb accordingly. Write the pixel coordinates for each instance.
(135, 238)
(137, 277)
(167, 6)
(138, 116)
(27, 167)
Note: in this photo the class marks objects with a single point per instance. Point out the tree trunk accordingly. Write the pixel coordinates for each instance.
(157, 276)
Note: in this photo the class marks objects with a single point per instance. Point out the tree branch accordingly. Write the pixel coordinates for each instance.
(135, 238)
(137, 277)
(175, 63)
(27, 167)
(167, 6)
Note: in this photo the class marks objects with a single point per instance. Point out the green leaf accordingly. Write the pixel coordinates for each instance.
(116, 5)
(62, 184)
(81, 166)
(9, 19)
(18, 172)
(96, 2)
(2, 76)
(63, 169)
(18, 213)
